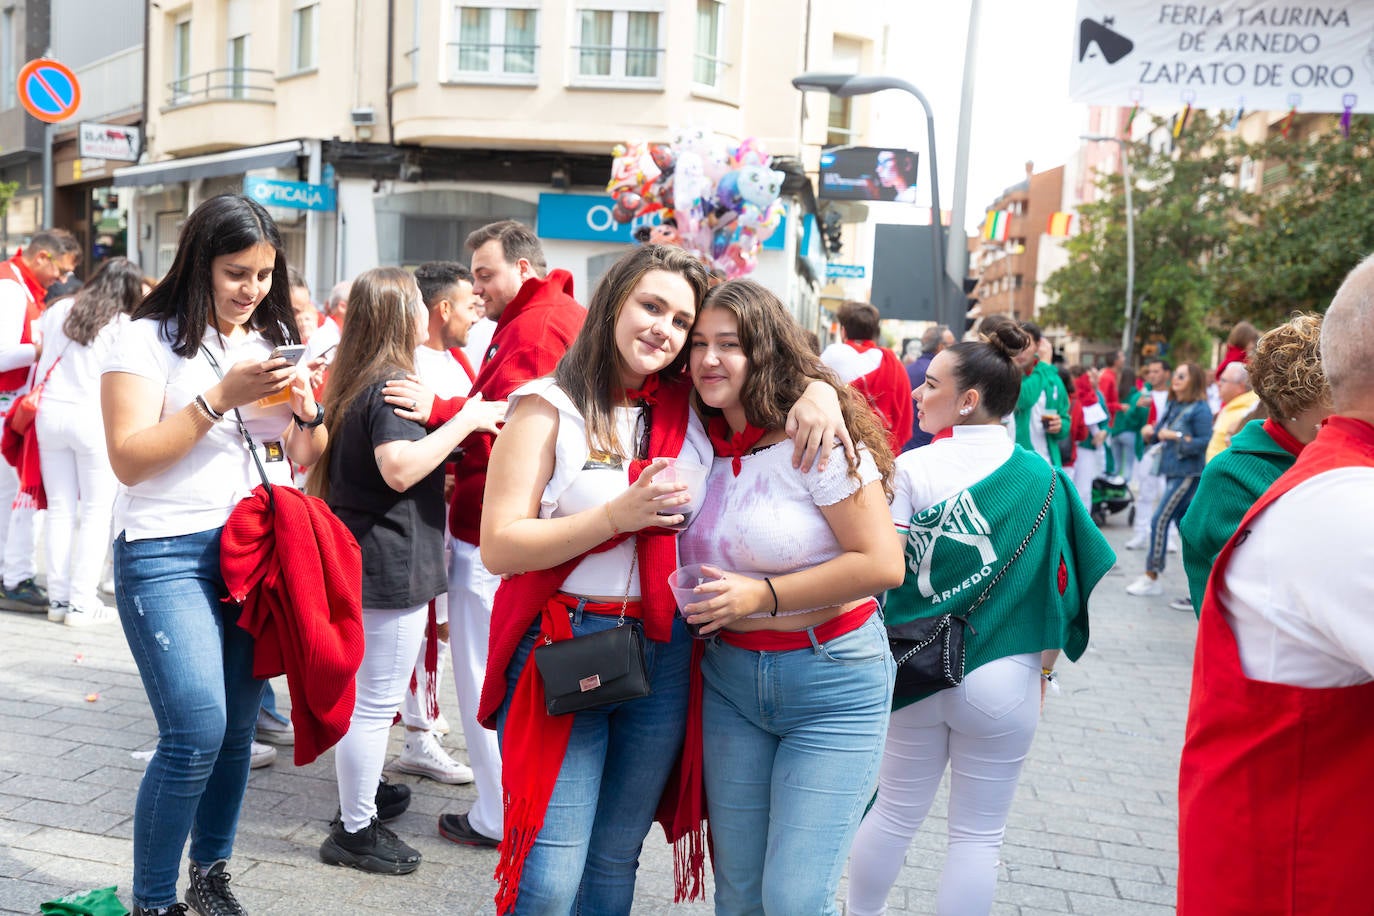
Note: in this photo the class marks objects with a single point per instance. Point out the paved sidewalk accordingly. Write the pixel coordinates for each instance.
(1092, 831)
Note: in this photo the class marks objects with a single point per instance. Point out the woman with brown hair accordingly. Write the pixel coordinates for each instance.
(797, 671)
(1183, 433)
(384, 478)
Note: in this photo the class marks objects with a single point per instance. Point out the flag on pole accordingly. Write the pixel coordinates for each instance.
(995, 226)
(1060, 223)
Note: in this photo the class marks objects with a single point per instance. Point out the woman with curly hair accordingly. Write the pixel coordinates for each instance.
(796, 668)
(1286, 373)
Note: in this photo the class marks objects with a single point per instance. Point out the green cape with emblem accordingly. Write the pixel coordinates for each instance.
(955, 548)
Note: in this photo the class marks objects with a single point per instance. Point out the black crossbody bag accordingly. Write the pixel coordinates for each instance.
(929, 651)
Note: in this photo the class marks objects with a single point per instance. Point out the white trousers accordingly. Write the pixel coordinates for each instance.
(16, 531)
(1089, 465)
(471, 590)
(81, 490)
(983, 730)
(391, 639)
(1150, 489)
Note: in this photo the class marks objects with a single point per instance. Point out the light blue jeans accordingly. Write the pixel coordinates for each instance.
(793, 741)
(617, 763)
(197, 668)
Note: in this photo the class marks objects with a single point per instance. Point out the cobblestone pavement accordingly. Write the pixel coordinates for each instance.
(1092, 831)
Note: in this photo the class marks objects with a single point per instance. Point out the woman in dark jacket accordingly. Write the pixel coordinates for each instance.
(1184, 431)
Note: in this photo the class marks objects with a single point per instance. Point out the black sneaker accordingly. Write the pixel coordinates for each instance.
(26, 596)
(392, 799)
(457, 828)
(374, 849)
(176, 909)
(209, 893)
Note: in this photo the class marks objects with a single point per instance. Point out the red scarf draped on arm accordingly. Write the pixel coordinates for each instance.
(534, 742)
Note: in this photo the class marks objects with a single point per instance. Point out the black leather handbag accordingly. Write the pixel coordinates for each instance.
(597, 669)
(929, 651)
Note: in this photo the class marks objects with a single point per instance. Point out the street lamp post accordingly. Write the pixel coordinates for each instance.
(1127, 333)
(845, 85)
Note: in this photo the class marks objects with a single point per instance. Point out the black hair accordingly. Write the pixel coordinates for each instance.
(436, 277)
(987, 366)
(184, 301)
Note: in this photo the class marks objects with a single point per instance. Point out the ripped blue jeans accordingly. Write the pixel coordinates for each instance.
(197, 669)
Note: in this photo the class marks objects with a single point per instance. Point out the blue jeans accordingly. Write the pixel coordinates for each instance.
(793, 741)
(197, 668)
(1178, 496)
(586, 855)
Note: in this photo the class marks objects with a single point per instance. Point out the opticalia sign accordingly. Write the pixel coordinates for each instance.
(109, 141)
(291, 195)
(587, 217)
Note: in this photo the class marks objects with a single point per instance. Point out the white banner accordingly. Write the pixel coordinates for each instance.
(1250, 54)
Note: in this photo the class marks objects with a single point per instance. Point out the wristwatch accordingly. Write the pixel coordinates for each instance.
(319, 418)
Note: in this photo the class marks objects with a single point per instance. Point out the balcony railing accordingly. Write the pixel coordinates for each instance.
(618, 63)
(227, 84)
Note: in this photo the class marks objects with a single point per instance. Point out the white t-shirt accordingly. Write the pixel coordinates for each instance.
(576, 487)
(441, 373)
(1298, 590)
(14, 305)
(925, 477)
(479, 338)
(848, 363)
(76, 379)
(325, 336)
(768, 520)
(199, 491)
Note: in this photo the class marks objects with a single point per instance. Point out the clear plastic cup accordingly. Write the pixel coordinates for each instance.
(682, 581)
(680, 470)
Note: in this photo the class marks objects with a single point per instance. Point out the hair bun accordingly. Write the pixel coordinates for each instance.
(1006, 337)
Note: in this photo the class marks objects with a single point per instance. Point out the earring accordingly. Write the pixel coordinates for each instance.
(965, 411)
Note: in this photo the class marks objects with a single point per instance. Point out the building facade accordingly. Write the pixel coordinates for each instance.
(413, 122)
(1008, 273)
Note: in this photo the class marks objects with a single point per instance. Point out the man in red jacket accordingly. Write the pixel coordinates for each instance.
(537, 318)
(872, 370)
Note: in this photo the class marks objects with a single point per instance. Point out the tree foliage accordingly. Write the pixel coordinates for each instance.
(1208, 253)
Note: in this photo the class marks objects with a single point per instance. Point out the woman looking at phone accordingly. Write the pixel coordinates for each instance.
(798, 679)
(195, 357)
(573, 515)
(384, 479)
(990, 531)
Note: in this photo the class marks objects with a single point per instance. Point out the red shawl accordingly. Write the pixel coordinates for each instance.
(22, 453)
(298, 573)
(535, 742)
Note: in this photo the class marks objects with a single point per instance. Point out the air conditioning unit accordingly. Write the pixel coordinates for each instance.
(363, 117)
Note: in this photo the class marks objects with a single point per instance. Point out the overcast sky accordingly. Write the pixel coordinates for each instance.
(1021, 108)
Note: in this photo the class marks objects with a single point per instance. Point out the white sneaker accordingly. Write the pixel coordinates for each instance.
(1145, 587)
(422, 755)
(270, 731)
(441, 726)
(86, 617)
(262, 755)
(1136, 543)
(57, 611)
(1181, 604)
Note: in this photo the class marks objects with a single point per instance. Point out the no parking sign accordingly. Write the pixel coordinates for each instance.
(48, 90)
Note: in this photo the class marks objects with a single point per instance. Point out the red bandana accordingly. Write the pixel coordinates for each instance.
(732, 446)
(643, 396)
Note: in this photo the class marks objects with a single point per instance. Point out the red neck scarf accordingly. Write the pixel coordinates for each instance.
(536, 742)
(1282, 437)
(645, 395)
(732, 446)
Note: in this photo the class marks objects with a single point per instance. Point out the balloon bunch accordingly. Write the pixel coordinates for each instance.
(718, 201)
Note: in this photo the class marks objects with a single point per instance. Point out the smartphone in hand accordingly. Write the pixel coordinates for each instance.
(292, 353)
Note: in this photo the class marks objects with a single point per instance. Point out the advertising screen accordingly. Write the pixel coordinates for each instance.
(868, 173)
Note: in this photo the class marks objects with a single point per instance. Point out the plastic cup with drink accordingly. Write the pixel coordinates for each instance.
(683, 582)
(680, 470)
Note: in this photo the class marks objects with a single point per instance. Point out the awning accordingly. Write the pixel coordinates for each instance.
(214, 165)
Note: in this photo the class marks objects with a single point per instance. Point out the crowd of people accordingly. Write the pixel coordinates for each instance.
(499, 463)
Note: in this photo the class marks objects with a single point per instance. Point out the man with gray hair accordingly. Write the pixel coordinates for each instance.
(1237, 402)
(937, 337)
(1278, 745)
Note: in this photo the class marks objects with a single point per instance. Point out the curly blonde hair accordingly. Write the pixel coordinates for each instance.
(1286, 368)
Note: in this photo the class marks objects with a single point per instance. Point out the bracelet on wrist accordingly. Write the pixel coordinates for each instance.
(1047, 674)
(210, 412)
(769, 582)
(607, 507)
(310, 424)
